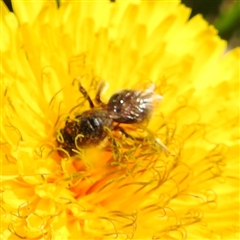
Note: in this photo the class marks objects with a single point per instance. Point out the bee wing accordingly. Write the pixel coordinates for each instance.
(151, 98)
(151, 88)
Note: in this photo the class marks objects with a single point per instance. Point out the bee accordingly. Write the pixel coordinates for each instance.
(90, 127)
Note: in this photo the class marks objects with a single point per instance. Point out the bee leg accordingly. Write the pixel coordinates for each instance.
(117, 127)
(84, 92)
(101, 88)
(162, 146)
(157, 140)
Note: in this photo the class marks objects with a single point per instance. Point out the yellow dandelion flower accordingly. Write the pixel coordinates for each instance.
(176, 177)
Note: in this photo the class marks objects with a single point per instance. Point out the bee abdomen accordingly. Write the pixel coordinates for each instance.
(88, 129)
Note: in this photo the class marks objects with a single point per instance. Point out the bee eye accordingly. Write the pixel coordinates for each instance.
(115, 99)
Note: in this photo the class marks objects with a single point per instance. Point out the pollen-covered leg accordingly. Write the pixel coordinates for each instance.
(156, 140)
